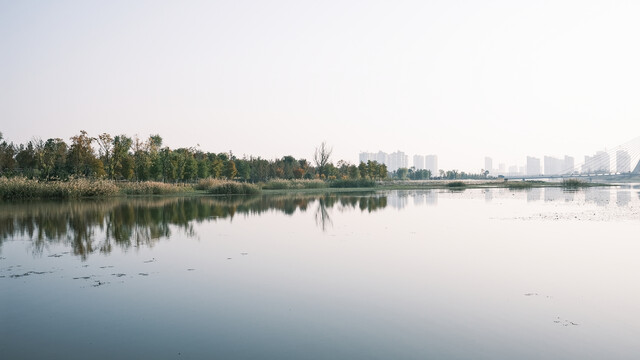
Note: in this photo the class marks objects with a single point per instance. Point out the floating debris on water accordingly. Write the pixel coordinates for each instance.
(119, 275)
(29, 273)
(143, 274)
(564, 322)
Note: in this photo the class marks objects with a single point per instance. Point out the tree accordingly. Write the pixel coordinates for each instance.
(7, 152)
(244, 169)
(402, 173)
(26, 159)
(321, 158)
(141, 160)
(54, 159)
(81, 159)
(105, 152)
(230, 170)
(217, 165)
(353, 172)
(122, 166)
(382, 171)
(362, 168)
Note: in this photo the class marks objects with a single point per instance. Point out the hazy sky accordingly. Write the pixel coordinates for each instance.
(461, 79)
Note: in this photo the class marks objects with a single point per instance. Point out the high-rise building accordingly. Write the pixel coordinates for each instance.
(533, 166)
(623, 161)
(488, 164)
(568, 166)
(380, 157)
(553, 166)
(431, 164)
(418, 162)
(398, 160)
(600, 163)
(365, 156)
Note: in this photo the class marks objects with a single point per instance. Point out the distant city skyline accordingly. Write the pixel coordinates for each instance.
(612, 161)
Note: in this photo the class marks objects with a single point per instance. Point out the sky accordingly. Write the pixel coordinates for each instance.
(460, 79)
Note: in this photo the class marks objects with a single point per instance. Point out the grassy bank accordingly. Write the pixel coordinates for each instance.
(22, 188)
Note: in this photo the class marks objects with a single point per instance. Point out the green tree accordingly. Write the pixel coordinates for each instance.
(81, 158)
(141, 160)
(402, 173)
(122, 165)
(362, 169)
(382, 171)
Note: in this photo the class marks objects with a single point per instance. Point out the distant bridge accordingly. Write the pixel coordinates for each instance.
(618, 163)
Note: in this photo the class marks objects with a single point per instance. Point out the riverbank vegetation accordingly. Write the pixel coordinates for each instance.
(107, 165)
(124, 158)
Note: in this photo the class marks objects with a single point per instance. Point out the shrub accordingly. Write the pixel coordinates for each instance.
(456, 184)
(574, 183)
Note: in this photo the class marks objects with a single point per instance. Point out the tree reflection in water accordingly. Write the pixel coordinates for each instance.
(98, 225)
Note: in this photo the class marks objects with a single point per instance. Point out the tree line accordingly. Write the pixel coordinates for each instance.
(122, 157)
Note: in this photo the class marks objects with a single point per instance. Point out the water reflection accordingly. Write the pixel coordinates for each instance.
(90, 226)
(534, 194)
(101, 225)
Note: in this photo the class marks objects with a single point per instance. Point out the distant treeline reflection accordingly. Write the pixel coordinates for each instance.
(89, 226)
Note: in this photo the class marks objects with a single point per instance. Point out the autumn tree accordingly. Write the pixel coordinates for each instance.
(230, 170)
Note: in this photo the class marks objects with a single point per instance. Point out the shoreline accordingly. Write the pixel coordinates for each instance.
(23, 189)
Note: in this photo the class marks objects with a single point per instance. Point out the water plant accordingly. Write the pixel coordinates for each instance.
(227, 187)
(456, 184)
(574, 183)
(23, 188)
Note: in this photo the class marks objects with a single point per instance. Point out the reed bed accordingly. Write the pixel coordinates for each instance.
(153, 188)
(22, 188)
(575, 183)
(227, 187)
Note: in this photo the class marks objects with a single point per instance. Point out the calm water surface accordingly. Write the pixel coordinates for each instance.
(478, 274)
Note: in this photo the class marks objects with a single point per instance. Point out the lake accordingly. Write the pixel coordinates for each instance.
(424, 274)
